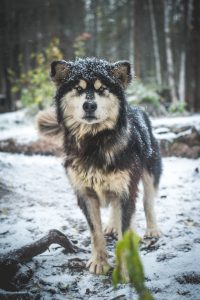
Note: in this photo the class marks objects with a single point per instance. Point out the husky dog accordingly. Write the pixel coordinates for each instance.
(109, 146)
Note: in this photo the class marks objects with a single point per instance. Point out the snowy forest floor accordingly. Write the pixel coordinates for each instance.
(35, 196)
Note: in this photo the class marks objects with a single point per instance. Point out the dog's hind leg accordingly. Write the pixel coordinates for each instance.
(121, 213)
(148, 202)
(98, 262)
(127, 212)
(114, 222)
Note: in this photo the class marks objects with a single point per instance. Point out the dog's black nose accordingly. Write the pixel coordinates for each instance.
(89, 106)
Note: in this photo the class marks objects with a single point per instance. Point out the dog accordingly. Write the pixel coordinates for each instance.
(109, 147)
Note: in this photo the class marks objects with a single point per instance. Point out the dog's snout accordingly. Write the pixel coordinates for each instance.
(89, 106)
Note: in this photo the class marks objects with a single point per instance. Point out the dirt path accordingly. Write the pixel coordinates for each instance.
(36, 196)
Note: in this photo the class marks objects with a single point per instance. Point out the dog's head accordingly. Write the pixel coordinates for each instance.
(90, 92)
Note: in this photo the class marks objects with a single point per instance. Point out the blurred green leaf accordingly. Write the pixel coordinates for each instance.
(128, 265)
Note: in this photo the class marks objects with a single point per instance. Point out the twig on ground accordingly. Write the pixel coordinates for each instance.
(5, 295)
(10, 262)
(53, 237)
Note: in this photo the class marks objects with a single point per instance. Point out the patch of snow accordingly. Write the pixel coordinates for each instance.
(193, 120)
(19, 126)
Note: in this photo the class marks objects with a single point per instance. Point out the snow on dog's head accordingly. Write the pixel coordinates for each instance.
(90, 92)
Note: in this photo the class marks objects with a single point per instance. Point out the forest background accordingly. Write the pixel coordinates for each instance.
(161, 38)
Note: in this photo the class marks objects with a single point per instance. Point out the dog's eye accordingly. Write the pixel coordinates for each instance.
(101, 89)
(79, 89)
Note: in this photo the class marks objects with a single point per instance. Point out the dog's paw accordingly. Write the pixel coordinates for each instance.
(153, 233)
(110, 230)
(98, 266)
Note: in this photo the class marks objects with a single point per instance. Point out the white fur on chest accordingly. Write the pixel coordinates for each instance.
(102, 183)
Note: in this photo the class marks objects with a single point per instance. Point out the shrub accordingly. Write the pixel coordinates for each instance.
(143, 94)
(178, 107)
(33, 86)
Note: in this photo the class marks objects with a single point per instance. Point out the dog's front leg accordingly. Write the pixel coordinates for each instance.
(127, 210)
(98, 262)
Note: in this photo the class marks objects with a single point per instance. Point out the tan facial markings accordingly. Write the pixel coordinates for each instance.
(83, 84)
(98, 85)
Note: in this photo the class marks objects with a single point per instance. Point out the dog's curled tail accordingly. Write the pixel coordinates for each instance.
(47, 124)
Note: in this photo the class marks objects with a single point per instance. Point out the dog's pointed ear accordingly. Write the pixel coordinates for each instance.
(59, 71)
(121, 70)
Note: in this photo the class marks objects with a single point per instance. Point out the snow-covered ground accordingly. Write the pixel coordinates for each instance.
(35, 196)
(18, 125)
(163, 126)
(191, 120)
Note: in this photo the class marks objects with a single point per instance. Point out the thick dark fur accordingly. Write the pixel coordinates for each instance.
(127, 149)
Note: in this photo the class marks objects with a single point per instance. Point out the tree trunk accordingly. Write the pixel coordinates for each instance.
(7, 52)
(155, 44)
(193, 57)
(182, 77)
(137, 37)
(131, 30)
(169, 54)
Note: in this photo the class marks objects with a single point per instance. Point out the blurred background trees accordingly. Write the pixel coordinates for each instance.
(161, 38)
